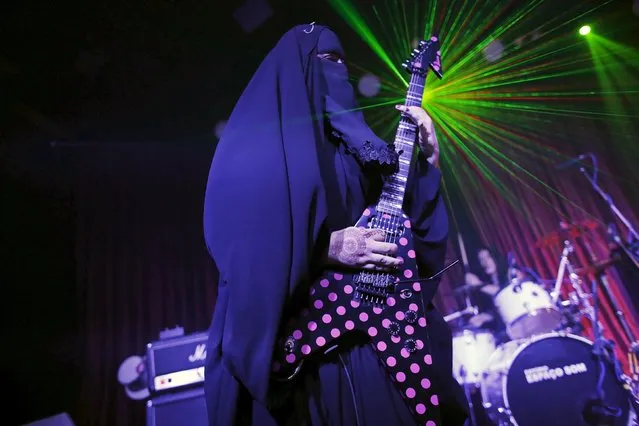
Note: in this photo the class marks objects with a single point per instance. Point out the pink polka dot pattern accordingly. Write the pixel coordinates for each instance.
(386, 216)
(332, 311)
(367, 212)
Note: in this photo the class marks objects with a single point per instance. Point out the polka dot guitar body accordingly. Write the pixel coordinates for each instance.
(385, 306)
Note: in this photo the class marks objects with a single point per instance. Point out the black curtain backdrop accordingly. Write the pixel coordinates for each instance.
(141, 262)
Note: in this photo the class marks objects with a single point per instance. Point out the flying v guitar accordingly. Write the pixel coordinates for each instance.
(388, 307)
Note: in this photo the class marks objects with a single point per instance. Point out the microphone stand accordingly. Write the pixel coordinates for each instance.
(599, 275)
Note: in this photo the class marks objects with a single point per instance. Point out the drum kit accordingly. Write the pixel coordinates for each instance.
(544, 372)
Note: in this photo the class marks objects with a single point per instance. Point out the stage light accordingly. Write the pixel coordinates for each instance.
(494, 51)
(369, 85)
(219, 128)
(585, 30)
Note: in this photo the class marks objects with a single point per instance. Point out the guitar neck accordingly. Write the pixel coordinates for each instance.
(392, 197)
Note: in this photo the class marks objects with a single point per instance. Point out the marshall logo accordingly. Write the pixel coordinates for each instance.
(199, 354)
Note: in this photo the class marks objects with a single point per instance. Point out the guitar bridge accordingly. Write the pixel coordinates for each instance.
(373, 288)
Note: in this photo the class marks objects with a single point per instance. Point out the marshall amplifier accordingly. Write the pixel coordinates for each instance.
(176, 362)
(187, 408)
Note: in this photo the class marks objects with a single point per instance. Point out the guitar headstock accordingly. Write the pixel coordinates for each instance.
(425, 55)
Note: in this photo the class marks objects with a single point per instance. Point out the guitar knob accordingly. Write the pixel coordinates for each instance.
(410, 345)
(289, 345)
(410, 316)
(394, 329)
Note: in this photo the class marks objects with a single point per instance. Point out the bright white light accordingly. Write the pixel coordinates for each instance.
(494, 51)
(369, 85)
(219, 128)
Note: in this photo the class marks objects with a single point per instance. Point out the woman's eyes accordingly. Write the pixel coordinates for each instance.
(331, 56)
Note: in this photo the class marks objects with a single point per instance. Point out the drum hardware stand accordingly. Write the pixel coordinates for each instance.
(634, 236)
(578, 295)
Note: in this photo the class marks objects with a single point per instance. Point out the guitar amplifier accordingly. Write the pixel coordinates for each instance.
(177, 362)
(187, 408)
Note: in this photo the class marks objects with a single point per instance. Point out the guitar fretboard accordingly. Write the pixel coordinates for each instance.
(392, 197)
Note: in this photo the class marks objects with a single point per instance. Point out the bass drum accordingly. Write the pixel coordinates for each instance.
(548, 380)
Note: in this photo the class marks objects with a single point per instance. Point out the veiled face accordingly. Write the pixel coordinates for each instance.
(487, 262)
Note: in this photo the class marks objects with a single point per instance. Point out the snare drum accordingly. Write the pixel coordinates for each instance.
(471, 351)
(527, 309)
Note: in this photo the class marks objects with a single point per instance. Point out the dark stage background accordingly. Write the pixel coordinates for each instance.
(107, 111)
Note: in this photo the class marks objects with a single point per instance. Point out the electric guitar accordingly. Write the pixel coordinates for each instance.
(386, 306)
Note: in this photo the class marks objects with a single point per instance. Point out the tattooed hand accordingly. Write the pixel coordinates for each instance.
(362, 248)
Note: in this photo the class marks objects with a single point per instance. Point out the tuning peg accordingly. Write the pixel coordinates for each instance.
(405, 65)
(415, 51)
(422, 43)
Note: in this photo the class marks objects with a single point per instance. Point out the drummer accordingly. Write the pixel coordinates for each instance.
(492, 278)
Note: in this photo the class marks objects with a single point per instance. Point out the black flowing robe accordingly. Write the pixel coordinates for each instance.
(277, 187)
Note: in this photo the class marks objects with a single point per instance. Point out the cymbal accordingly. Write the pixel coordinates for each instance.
(480, 319)
(567, 231)
(596, 268)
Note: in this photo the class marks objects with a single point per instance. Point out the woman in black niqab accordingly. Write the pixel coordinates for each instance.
(295, 163)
